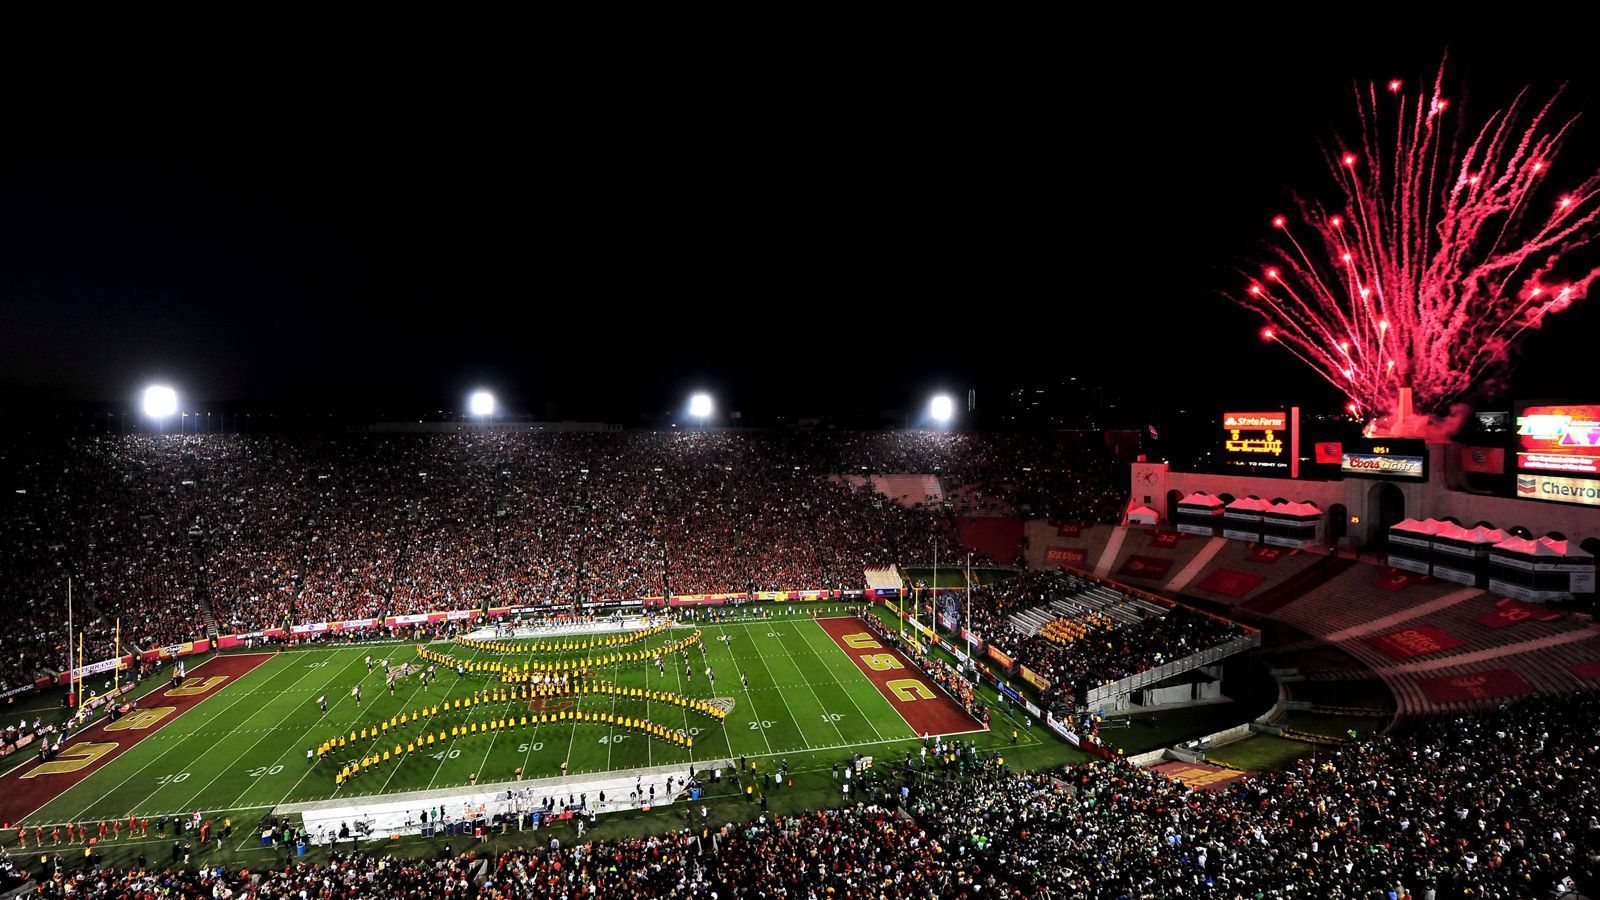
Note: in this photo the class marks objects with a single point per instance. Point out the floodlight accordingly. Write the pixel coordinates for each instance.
(482, 403)
(700, 405)
(160, 401)
(941, 408)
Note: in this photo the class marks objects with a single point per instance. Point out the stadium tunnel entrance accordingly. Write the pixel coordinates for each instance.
(1386, 506)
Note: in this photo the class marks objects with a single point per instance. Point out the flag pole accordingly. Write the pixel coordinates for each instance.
(72, 694)
(966, 621)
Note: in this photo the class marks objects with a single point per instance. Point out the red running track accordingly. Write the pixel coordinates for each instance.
(27, 788)
(922, 703)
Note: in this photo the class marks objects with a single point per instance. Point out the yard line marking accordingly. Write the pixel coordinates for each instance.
(504, 706)
(649, 756)
(705, 658)
(319, 760)
(444, 752)
(197, 795)
(353, 793)
(394, 770)
(747, 696)
(162, 685)
(577, 703)
(532, 738)
(818, 697)
(162, 755)
(853, 671)
(783, 698)
(611, 731)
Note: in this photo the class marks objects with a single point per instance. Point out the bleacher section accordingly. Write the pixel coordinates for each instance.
(1149, 558)
(1087, 602)
(1241, 572)
(996, 538)
(968, 499)
(1549, 665)
(1065, 630)
(1052, 545)
(1348, 601)
(910, 490)
(1442, 648)
(1220, 571)
(1438, 648)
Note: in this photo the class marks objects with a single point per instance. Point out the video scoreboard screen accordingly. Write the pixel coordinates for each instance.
(1559, 438)
(1257, 442)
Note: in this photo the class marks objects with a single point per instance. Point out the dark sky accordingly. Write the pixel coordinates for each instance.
(802, 230)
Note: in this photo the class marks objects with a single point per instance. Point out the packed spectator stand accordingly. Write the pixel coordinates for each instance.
(1078, 633)
(175, 533)
(1505, 805)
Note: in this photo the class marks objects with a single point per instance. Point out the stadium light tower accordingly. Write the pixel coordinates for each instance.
(160, 402)
(700, 407)
(941, 408)
(482, 404)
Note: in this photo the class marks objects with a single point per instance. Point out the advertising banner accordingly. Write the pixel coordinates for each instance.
(1398, 459)
(1485, 460)
(1558, 489)
(1060, 727)
(1076, 557)
(95, 668)
(1033, 678)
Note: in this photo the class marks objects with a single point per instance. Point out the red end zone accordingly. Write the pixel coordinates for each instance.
(924, 705)
(27, 788)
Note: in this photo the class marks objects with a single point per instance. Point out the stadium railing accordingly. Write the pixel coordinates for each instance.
(1111, 690)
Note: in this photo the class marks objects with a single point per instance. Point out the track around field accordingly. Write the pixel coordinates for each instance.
(30, 786)
(924, 705)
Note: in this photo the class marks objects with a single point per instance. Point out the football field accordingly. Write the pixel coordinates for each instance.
(233, 737)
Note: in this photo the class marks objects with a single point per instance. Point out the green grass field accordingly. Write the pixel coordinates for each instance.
(242, 751)
(1260, 753)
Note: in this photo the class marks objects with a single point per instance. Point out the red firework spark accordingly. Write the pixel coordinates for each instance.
(1442, 254)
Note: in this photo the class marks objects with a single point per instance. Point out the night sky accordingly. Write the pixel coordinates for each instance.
(803, 233)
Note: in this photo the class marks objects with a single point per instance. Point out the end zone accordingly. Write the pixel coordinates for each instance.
(29, 787)
(924, 705)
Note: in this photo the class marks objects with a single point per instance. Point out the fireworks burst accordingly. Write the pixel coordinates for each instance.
(1442, 253)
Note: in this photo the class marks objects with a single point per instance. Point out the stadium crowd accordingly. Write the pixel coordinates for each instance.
(1505, 805)
(1071, 476)
(261, 529)
(1106, 651)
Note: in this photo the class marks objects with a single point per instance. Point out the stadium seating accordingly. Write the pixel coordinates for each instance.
(181, 534)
